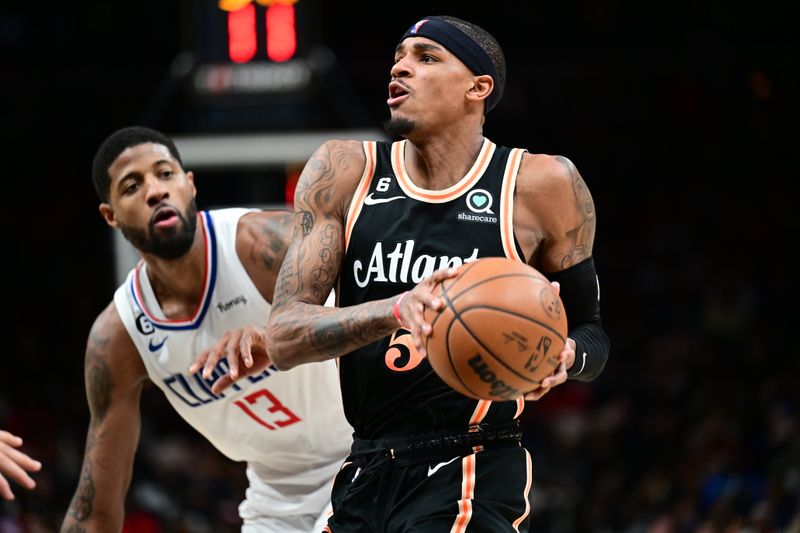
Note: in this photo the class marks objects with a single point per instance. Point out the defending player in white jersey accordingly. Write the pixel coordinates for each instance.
(201, 274)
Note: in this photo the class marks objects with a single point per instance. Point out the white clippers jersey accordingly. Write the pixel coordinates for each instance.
(289, 426)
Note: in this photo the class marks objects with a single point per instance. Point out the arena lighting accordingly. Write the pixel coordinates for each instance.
(281, 30)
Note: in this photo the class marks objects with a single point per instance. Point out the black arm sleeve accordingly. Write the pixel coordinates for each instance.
(580, 293)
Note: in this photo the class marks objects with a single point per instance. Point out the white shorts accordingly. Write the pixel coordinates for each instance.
(288, 524)
(292, 505)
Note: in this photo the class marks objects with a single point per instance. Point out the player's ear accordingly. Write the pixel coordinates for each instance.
(481, 87)
(190, 177)
(108, 215)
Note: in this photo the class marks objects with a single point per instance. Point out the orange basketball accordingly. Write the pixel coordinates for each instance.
(500, 331)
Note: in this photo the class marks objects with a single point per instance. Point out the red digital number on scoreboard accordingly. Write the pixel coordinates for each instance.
(281, 34)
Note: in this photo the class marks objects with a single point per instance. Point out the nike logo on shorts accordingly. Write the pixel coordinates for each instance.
(432, 470)
(369, 200)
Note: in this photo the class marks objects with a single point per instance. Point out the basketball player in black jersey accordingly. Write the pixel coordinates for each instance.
(389, 221)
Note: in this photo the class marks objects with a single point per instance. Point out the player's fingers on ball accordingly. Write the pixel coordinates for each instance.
(443, 274)
(423, 327)
(418, 343)
(534, 394)
(408, 312)
(419, 310)
(422, 351)
(550, 381)
(432, 301)
(559, 377)
(556, 286)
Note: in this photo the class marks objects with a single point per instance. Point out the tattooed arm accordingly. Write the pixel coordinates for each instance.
(261, 241)
(300, 329)
(554, 216)
(114, 376)
(554, 221)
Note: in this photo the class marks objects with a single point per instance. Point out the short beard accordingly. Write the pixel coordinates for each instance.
(399, 127)
(170, 244)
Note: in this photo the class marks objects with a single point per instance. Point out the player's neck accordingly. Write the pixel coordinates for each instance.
(178, 282)
(441, 161)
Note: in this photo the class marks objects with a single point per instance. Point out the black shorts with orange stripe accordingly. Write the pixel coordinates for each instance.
(391, 487)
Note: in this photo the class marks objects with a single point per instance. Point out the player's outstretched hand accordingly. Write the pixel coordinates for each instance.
(559, 375)
(15, 464)
(413, 303)
(245, 350)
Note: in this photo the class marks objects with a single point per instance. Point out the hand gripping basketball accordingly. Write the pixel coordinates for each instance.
(410, 307)
(500, 332)
(566, 359)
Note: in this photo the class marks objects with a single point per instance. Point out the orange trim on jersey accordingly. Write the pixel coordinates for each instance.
(526, 493)
(357, 202)
(520, 406)
(326, 528)
(480, 412)
(445, 195)
(507, 204)
(336, 304)
(467, 495)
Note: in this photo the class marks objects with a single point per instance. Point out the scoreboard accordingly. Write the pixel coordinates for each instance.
(279, 24)
(257, 80)
(252, 51)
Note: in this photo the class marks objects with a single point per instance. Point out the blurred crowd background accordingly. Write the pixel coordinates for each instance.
(682, 118)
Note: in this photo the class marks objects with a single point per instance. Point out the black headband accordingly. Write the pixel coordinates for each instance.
(463, 47)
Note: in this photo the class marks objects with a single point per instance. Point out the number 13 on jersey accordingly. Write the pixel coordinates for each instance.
(273, 414)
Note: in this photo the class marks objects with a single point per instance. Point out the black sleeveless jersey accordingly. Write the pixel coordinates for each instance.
(396, 235)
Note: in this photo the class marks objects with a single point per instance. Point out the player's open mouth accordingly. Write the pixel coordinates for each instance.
(165, 217)
(397, 93)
